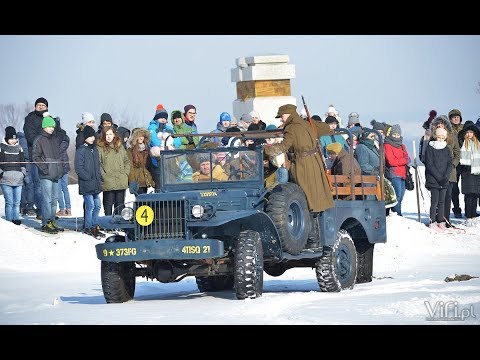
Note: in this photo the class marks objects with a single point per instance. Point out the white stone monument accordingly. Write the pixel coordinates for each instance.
(263, 85)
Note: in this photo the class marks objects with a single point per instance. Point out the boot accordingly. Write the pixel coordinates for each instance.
(53, 224)
(313, 241)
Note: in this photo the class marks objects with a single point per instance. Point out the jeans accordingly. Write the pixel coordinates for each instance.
(63, 194)
(37, 189)
(399, 186)
(49, 199)
(92, 209)
(12, 195)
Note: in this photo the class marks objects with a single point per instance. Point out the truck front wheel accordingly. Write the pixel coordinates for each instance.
(118, 281)
(248, 265)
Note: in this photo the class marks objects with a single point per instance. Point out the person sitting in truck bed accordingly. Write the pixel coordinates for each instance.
(205, 172)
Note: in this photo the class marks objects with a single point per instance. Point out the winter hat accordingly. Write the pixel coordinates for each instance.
(353, 118)
(41, 100)
(189, 107)
(317, 118)
(225, 116)
(106, 117)
(160, 113)
(441, 131)
(10, 133)
(331, 119)
(48, 122)
(88, 131)
(254, 113)
(396, 129)
(431, 115)
(271, 127)
(86, 117)
(331, 110)
(455, 112)
(334, 147)
(377, 125)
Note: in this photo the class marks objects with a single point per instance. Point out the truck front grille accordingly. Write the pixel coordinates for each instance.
(168, 221)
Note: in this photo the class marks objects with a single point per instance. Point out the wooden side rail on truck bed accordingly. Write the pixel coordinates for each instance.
(363, 185)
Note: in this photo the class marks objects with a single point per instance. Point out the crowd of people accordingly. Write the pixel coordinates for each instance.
(35, 166)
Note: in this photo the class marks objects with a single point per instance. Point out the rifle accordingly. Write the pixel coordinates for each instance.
(317, 141)
(257, 134)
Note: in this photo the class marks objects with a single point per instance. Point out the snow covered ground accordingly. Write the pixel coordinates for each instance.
(55, 279)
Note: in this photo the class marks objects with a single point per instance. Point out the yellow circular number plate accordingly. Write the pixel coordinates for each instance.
(144, 215)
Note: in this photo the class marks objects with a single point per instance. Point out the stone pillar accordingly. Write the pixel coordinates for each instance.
(263, 85)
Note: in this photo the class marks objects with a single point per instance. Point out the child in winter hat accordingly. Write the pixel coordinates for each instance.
(48, 122)
(10, 133)
(396, 129)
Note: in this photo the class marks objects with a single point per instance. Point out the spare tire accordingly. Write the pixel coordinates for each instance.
(288, 208)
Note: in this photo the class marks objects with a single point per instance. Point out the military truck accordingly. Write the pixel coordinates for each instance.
(225, 224)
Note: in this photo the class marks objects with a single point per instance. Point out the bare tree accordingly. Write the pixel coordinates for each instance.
(12, 115)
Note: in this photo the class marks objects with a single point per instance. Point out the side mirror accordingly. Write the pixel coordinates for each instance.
(282, 175)
(133, 187)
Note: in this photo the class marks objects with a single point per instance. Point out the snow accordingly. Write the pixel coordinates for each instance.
(55, 279)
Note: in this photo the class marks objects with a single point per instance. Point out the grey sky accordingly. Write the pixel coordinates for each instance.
(397, 79)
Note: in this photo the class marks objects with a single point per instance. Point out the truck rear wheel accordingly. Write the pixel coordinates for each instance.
(337, 268)
(288, 208)
(118, 281)
(214, 283)
(365, 263)
(248, 266)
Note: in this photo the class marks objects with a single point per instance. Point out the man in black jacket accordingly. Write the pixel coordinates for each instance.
(32, 128)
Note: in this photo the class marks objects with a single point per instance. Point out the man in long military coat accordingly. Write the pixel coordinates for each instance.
(307, 168)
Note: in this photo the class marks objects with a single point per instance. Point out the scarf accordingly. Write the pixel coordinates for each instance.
(395, 142)
(438, 144)
(470, 156)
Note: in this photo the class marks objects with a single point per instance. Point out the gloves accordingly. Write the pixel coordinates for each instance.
(443, 182)
(190, 139)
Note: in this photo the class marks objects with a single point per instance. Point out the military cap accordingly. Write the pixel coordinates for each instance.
(286, 109)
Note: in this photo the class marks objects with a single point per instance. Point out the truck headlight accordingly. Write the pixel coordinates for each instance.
(127, 214)
(198, 211)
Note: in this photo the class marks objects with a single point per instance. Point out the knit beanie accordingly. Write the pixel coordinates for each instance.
(10, 133)
(105, 117)
(88, 131)
(353, 118)
(41, 100)
(317, 118)
(334, 147)
(225, 116)
(48, 122)
(441, 131)
(396, 129)
(377, 125)
(86, 117)
(160, 114)
(331, 119)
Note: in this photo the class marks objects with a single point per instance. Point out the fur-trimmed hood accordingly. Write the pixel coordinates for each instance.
(441, 119)
(136, 134)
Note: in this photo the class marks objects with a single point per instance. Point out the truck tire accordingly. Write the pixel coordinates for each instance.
(364, 263)
(288, 208)
(118, 281)
(214, 283)
(248, 265)
(337, 268)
